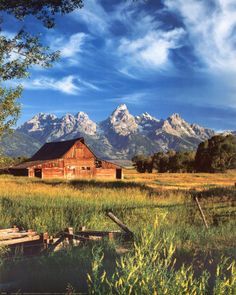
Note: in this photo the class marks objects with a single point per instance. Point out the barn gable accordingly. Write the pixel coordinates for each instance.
(54, 150)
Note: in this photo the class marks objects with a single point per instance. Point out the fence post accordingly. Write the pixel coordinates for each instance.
(201, 212)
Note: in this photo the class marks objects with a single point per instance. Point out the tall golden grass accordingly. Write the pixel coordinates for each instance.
(139, 200)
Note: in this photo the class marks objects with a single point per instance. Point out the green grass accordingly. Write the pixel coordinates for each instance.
(157, 217)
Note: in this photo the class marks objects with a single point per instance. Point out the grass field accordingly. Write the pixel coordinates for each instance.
(172, 254)
(196, 181)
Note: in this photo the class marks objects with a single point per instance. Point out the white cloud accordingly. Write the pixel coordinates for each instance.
(89, 85)
(71, 84)
(211, 30)
(152, 50)
(143, 43)
(93, 15)
(71, 47)
(66, 85)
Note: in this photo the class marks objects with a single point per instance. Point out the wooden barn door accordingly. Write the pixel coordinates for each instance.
(118, 173)
(38, 173)
(71, 172)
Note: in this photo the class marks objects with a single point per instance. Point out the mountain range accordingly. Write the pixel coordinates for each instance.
(120, 136)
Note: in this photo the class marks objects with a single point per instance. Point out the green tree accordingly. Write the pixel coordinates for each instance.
(148, 164)
(182, 162)
(143, 163)
(20, 52)
(216, 154)
(160, 162)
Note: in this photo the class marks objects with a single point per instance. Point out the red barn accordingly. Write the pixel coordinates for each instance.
(67, 159)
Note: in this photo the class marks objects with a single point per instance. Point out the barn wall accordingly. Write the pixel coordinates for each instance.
(79, 151)
(105, 173)
(79, 162)
(31, 172)
(54, 172)
(108, 165)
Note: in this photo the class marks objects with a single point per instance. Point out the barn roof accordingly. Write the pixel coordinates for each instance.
(54, 150)
(27, 164)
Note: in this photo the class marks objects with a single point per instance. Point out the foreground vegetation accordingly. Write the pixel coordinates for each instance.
(172, 253)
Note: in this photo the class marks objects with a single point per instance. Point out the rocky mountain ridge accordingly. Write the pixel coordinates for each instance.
(121, 135)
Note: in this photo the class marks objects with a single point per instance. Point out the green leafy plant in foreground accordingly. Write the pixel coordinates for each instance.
(150, 269)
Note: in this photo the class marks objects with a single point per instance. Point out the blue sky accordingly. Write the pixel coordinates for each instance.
(156, 56)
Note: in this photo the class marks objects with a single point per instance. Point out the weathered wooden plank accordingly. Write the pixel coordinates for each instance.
(10, 236)
(19, 233)
(119, 223)
(52, 247)
(9, 230)
(20, 240)
(201, 212)
(75, 236)
(97, 233)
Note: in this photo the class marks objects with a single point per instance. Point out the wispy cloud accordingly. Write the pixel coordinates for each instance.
(66, 85)
(90, 85)
(142, 44)
(71, 85)
(152, 50)
(73, 46)
(70, 48)
(94, 16)
(211, 29)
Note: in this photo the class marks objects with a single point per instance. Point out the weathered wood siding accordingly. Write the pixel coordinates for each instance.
(105, 173)
(78, 162)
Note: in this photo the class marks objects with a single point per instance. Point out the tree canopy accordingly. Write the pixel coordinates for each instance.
(23, 50)
(216, 154)
(44, 10)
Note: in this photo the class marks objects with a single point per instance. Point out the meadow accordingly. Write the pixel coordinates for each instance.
(172, 252)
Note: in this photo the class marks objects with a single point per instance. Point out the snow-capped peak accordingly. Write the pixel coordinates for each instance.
(120, 113)
(82, 116)
(175, 118)
(120, 122)
(68, 119)
(148, 117)
(85, 124)
(43, 116)
(122, 107)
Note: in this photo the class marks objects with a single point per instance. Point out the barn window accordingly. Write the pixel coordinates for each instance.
(88, 168)
(83, 168)
(98, 163)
